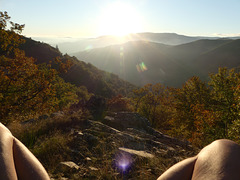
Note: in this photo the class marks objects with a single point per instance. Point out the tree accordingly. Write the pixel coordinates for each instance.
(119, 103)
(224, 88)
(9, 38)
(26, 89)
(138, 96)
(193, 93)
(150, 102)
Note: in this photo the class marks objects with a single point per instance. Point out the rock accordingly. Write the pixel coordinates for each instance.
(138, 153)
(57, 114)
(139, 133)
(124, 120)
(109, 118)
(103, 127)
(30, 121)
(176, 142)
(88, 159)
(76, 132)
(43, 117)
(93, 168)
(60, 178)
(79, 133)
(90, 139)
(63, 178)
(68, 166)
(154, 132)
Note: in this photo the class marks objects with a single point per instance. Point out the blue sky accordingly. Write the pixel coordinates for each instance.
(88, 18)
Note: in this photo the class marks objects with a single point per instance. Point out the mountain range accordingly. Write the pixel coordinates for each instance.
(73, 45)
(103, 41)
(141, 62)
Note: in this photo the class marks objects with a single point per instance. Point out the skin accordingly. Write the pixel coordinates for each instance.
(7, 167)
(219, 160)
(182, 170)
(16, 161)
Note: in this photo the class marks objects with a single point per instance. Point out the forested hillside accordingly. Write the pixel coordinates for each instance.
(79, 73)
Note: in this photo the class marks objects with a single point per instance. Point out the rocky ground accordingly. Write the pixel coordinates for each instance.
(122, 146)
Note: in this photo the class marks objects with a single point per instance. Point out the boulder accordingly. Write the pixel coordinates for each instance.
(98, 126)
(124, 120)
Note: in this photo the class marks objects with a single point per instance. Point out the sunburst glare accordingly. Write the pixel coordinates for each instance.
(119, 19)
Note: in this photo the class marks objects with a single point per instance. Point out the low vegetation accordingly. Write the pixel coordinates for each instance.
(57, 139)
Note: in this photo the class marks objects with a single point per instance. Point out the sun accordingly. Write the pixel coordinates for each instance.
(119, 19)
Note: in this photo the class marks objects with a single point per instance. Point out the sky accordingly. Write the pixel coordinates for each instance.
(93, 18)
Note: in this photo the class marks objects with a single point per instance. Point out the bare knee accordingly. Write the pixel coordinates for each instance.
(225, 142)
(220, 148)
(221, 145)
(218, 160)
(4, 130)
(6, 139)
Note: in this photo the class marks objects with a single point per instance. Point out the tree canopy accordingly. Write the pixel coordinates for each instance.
(198, 111)
(27, 89)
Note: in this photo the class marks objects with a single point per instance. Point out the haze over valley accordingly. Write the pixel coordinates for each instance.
(167, 58)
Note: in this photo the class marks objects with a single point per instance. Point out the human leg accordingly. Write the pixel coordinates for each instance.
(27, 165)
(180, 171)
(7, 167)
(16, 161)
(219, 160)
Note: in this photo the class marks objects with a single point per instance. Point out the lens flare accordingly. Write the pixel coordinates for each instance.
(141, 67)
(123, 164)
(88, 48)
(123, 161)
(121, 51)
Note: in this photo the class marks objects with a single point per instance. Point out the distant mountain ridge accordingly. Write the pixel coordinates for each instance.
(73, 46)
(169, 65)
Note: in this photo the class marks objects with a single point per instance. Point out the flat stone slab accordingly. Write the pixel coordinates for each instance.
(138, 153)
(70, 164)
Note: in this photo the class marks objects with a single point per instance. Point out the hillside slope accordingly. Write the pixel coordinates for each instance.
(81, 73)
(138, 62)
(227, 55)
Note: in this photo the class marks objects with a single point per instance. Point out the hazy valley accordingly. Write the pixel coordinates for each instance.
(170, 65)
